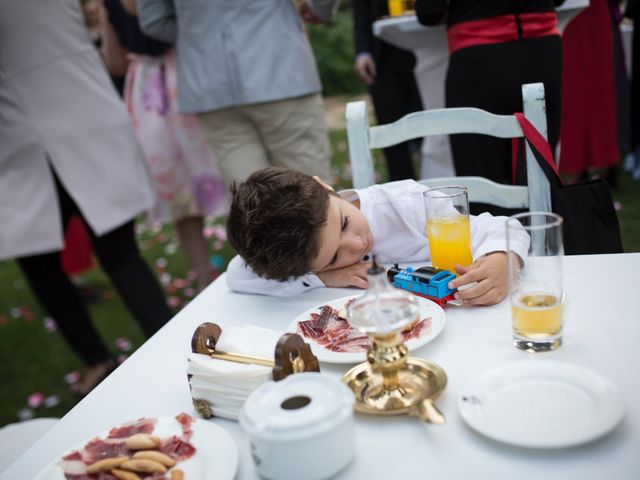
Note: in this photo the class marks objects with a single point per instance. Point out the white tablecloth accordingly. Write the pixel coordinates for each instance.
(602, 332)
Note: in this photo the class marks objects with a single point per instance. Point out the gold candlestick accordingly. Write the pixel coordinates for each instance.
(390, 382)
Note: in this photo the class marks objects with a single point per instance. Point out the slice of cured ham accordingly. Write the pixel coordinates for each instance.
(142, 425)
(331, 330)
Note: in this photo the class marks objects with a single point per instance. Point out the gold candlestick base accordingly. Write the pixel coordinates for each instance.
(392, 383)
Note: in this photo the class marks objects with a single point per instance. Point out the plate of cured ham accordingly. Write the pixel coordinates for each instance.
(334, 340)
(162, 448)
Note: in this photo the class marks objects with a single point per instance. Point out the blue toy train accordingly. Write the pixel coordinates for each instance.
(428, 282)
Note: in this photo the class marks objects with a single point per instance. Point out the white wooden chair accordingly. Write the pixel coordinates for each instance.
(362, 138)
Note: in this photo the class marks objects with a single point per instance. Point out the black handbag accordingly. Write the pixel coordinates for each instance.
(590, 220)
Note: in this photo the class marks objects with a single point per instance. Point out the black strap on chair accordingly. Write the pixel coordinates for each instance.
(590, 220)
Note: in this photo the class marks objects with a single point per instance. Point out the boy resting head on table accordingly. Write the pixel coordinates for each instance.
(294, 233)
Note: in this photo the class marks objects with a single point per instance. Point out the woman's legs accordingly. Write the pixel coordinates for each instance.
(131, 276)
(118, 253)
(60, 299)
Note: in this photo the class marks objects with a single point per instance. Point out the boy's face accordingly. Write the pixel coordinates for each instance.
(345, 239)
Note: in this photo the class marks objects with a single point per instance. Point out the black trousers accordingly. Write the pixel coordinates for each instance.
(395, 94)
(120, 259)
(491, 77)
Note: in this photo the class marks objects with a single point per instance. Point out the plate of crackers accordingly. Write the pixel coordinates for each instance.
(165, 448)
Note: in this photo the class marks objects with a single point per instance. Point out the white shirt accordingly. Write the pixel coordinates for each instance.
(397, 219)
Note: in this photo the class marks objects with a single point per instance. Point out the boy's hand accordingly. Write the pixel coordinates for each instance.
(491, 274)
(350, 276)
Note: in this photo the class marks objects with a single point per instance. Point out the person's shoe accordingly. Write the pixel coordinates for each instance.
(92, 376)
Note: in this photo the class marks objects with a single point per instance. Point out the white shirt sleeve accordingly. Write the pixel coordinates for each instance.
(488, 234)
(241, 278)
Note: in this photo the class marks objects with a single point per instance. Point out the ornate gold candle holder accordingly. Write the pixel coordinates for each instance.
(392, 383)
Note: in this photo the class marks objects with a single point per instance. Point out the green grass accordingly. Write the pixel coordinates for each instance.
(34, 360)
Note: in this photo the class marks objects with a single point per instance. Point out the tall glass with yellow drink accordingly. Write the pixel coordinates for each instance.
(535, 282)
(400, 7)
(396, 7)
(448, 227)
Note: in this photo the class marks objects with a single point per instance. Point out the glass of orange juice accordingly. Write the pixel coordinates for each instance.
(535, 282)
(448, 227)
(401, 7)
(396, 7)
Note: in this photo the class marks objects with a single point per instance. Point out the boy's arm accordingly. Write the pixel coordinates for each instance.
(240, 278)
(488, 234)
(487, 277)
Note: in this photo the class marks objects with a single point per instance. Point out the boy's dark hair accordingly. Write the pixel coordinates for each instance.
(275, 219)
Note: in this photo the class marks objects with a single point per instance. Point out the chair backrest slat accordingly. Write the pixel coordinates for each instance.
(444, 121)
(447, 121)
(482, 190)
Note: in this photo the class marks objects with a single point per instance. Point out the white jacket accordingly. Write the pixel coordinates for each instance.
(236, 52)
(59, 109)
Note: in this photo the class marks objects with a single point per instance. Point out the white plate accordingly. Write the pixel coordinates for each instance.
(215, 451)
(541, 404)
(427, 309)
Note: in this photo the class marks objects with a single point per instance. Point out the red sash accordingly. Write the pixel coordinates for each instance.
(537, 141)
(500, 29)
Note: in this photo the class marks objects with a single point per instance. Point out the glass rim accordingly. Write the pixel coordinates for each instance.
(443, 187)
(557, 220)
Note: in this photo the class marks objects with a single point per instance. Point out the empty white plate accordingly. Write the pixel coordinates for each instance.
(541, 404)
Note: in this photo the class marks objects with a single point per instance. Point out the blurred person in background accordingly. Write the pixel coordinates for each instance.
(495, 48)
(186, 177)
(388, 73)
(68, 148)
(247, 69)
(632, 12)
(589, 136)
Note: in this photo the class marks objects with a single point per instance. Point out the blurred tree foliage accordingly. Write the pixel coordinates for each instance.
(333, 47)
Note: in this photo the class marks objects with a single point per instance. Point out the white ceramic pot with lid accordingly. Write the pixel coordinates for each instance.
(300, 427)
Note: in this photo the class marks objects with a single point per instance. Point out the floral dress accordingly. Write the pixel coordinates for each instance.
(184, 169)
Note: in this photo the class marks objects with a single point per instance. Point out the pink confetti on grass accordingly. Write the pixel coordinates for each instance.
(191, 275)
(51, 401)
(208, 231)
(50, 324)
(35, 400)
(121, 358)
(71, 377)
(140, 228)
(25, 414)
(180, 283)
(220, 232)
(189, 292)
(165, 279)
(123, 344)
(218, 245)
(173, 302)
